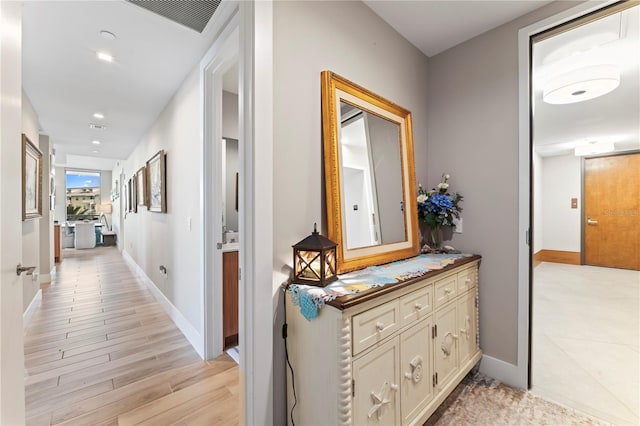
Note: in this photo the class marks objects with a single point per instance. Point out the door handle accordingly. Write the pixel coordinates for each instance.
(591, 222)
(28, 269)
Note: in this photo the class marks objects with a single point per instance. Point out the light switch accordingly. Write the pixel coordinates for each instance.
(189, 224)
(574, 203)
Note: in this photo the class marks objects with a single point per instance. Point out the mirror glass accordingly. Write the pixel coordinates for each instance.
(372, 205)
(369, 175)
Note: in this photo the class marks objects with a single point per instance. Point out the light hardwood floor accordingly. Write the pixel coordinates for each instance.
(101, 351)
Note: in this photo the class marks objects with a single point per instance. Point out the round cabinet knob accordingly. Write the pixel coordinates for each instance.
(379, 326)
(417, 373)
(394, 387)
(408, 375)
(447, 290)
(418, 306)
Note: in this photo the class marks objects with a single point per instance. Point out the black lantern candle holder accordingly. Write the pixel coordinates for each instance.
(314, 260)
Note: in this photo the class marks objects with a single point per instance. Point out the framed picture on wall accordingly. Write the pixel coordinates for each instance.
(141, 186)
(157, 186)
(127, 198)
(31, 180)
(133, 208)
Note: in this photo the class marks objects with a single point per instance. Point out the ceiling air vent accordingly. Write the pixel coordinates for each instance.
(194, 14)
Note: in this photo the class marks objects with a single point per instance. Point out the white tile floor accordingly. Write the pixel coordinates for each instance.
(586, 332)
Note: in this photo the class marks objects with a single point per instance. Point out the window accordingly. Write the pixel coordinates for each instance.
(83, 194)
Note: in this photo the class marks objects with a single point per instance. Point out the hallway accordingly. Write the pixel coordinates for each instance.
(585, 340)
(101, 350)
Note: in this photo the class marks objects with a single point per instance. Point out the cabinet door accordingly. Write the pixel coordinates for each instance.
(446, 351)
(415, 368)
(467, 326)
(230, 298)
(376, 398)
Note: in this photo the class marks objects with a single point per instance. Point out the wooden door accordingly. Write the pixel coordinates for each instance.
(612, 211)
(230, 298)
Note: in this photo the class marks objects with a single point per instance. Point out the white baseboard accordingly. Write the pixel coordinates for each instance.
(179, 320)
(505, 372)
(31, 309)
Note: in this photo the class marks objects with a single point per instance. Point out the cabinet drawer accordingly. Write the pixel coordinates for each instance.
(416, 305)
(446, 290)
(466, 279)
(375, 324)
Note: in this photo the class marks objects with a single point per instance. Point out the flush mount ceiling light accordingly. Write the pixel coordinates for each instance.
(98, 115)
(594, 148)
(581, 84)
(95, 142)
(97, 126)
(104, 56)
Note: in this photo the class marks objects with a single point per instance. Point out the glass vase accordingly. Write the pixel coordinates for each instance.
(435, 237)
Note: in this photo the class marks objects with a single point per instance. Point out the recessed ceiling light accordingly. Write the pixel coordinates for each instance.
(582, 84)
(95, 142)
(97, 126)
(107, 35)
(104, 56)
(98, 115)
(594, 148)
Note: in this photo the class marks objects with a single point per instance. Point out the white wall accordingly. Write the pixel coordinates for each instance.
(60, 213)
(229, 115)
(31, 227)
(538, 202)
(46, 222)
(154, 239)
(349, 39)
(472, 126)
(560, 183)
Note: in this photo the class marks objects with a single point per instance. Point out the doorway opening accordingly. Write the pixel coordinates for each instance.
(230, 213)
(583, 309)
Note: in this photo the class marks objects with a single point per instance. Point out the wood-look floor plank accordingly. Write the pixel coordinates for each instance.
(101, 347)
(186, 400)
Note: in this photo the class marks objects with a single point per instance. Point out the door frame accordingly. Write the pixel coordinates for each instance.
(520, 374)
(12, 404)
(220, 57)
(254, 21)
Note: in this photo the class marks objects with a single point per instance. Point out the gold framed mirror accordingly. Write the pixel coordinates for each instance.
(369, 175)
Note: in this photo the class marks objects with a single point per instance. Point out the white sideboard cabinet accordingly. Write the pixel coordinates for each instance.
(386, 356)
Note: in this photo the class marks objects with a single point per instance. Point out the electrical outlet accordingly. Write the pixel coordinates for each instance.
(458, 224)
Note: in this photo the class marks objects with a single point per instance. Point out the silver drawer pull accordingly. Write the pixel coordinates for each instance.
(379, 326)
(418, 306)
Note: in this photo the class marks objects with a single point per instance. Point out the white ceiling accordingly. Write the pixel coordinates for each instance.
(67, 84)
(614, 117)
(435, 26)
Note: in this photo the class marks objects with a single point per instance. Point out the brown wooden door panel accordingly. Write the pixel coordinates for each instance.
(612, 211)
(230, 298)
